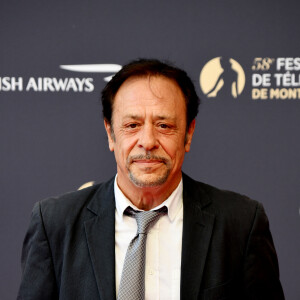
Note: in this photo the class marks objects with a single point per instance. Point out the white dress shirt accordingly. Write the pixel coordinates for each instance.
(163, 245)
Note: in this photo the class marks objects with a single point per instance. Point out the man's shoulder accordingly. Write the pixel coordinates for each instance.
(229, 209)
(220, 201)
(70, 199)
(72, 204)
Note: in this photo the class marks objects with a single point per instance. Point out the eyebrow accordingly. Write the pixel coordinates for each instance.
(135, 117)
(159, 117)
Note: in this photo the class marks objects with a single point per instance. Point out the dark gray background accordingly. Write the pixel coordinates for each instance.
(52, 143)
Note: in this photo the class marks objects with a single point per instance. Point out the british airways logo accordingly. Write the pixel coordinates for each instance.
(94, 68)
(61, 84)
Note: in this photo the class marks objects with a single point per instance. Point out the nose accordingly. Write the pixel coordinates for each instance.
(147, 138)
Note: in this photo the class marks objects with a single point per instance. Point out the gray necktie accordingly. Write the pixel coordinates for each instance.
(132, 285)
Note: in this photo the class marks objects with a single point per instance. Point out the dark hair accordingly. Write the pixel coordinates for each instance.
(144, 67)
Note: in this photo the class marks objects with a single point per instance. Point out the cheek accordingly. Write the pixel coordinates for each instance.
(173, 148)
(125, 145)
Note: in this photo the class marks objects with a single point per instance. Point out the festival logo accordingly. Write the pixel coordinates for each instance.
(276, 78)
(222, 77)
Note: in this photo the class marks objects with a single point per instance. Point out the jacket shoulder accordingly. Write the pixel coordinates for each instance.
(69, 202)
(67, 208)
(222, 203)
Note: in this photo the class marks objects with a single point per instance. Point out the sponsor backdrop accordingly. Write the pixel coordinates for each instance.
(55, 57)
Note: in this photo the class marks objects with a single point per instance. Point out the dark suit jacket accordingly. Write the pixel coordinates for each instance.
(227, 248)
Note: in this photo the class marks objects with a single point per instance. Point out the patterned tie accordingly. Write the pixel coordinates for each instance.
(132, 286)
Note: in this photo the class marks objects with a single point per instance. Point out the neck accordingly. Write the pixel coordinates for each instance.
(146, 198)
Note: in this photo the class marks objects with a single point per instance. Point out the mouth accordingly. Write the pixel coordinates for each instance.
(147, 161)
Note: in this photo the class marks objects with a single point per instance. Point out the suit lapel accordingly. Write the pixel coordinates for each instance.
(100, 235)
(197, 231)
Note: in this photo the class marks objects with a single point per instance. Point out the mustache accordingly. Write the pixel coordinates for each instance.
(147, 156)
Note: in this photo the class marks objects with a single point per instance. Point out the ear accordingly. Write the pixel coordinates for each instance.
(110, 135)
(189, 136)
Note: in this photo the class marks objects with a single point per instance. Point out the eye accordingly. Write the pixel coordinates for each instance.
(132, 125)
(163, 126)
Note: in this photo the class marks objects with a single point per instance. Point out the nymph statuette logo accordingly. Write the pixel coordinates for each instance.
(222, 77)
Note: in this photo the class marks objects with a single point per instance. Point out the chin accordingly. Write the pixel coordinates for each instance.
(148, 180)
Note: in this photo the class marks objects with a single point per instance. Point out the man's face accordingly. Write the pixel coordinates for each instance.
(148, 133)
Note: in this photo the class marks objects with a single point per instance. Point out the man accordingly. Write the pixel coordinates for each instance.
(204, 243)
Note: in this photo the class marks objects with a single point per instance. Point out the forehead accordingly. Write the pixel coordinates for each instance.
(149, 91)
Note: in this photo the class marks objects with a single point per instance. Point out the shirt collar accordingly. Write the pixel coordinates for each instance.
(174, 202)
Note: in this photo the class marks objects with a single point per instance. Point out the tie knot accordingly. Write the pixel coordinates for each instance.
(145, 219)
